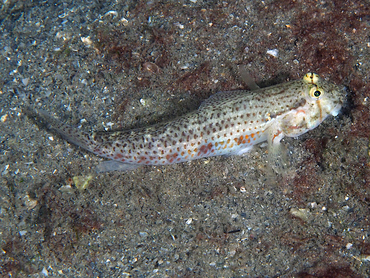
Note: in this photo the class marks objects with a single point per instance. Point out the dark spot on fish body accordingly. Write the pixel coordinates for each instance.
(204, 149)
(299, 103)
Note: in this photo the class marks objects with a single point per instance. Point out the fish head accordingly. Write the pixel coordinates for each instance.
(326, 96)
(319, 99)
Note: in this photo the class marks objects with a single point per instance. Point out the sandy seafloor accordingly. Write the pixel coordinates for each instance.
(122, 64)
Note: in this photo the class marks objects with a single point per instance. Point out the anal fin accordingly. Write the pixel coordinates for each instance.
(113, 165)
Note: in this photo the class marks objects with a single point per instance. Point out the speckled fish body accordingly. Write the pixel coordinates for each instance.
(228, 123)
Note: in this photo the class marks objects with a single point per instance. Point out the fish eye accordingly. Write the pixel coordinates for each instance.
(316, 92)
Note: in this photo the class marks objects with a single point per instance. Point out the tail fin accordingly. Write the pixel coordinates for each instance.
(71, 134)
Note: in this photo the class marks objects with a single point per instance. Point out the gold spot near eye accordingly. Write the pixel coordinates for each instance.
(311, 78)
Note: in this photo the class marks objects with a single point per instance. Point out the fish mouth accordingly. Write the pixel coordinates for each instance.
(336, 110)
(338, 106)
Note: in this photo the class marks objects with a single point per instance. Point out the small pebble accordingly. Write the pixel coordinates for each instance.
(273, 52)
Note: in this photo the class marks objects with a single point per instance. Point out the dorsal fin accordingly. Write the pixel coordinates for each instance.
(247, 78)
(221, 97)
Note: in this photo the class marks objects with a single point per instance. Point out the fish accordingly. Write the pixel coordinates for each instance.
(227, 123)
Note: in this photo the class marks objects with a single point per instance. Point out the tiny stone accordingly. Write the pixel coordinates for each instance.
(22, 233)
(25, 81)
(45, 272)
(300, 213)
(4, 118)
(143, 234)
(273, 52)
